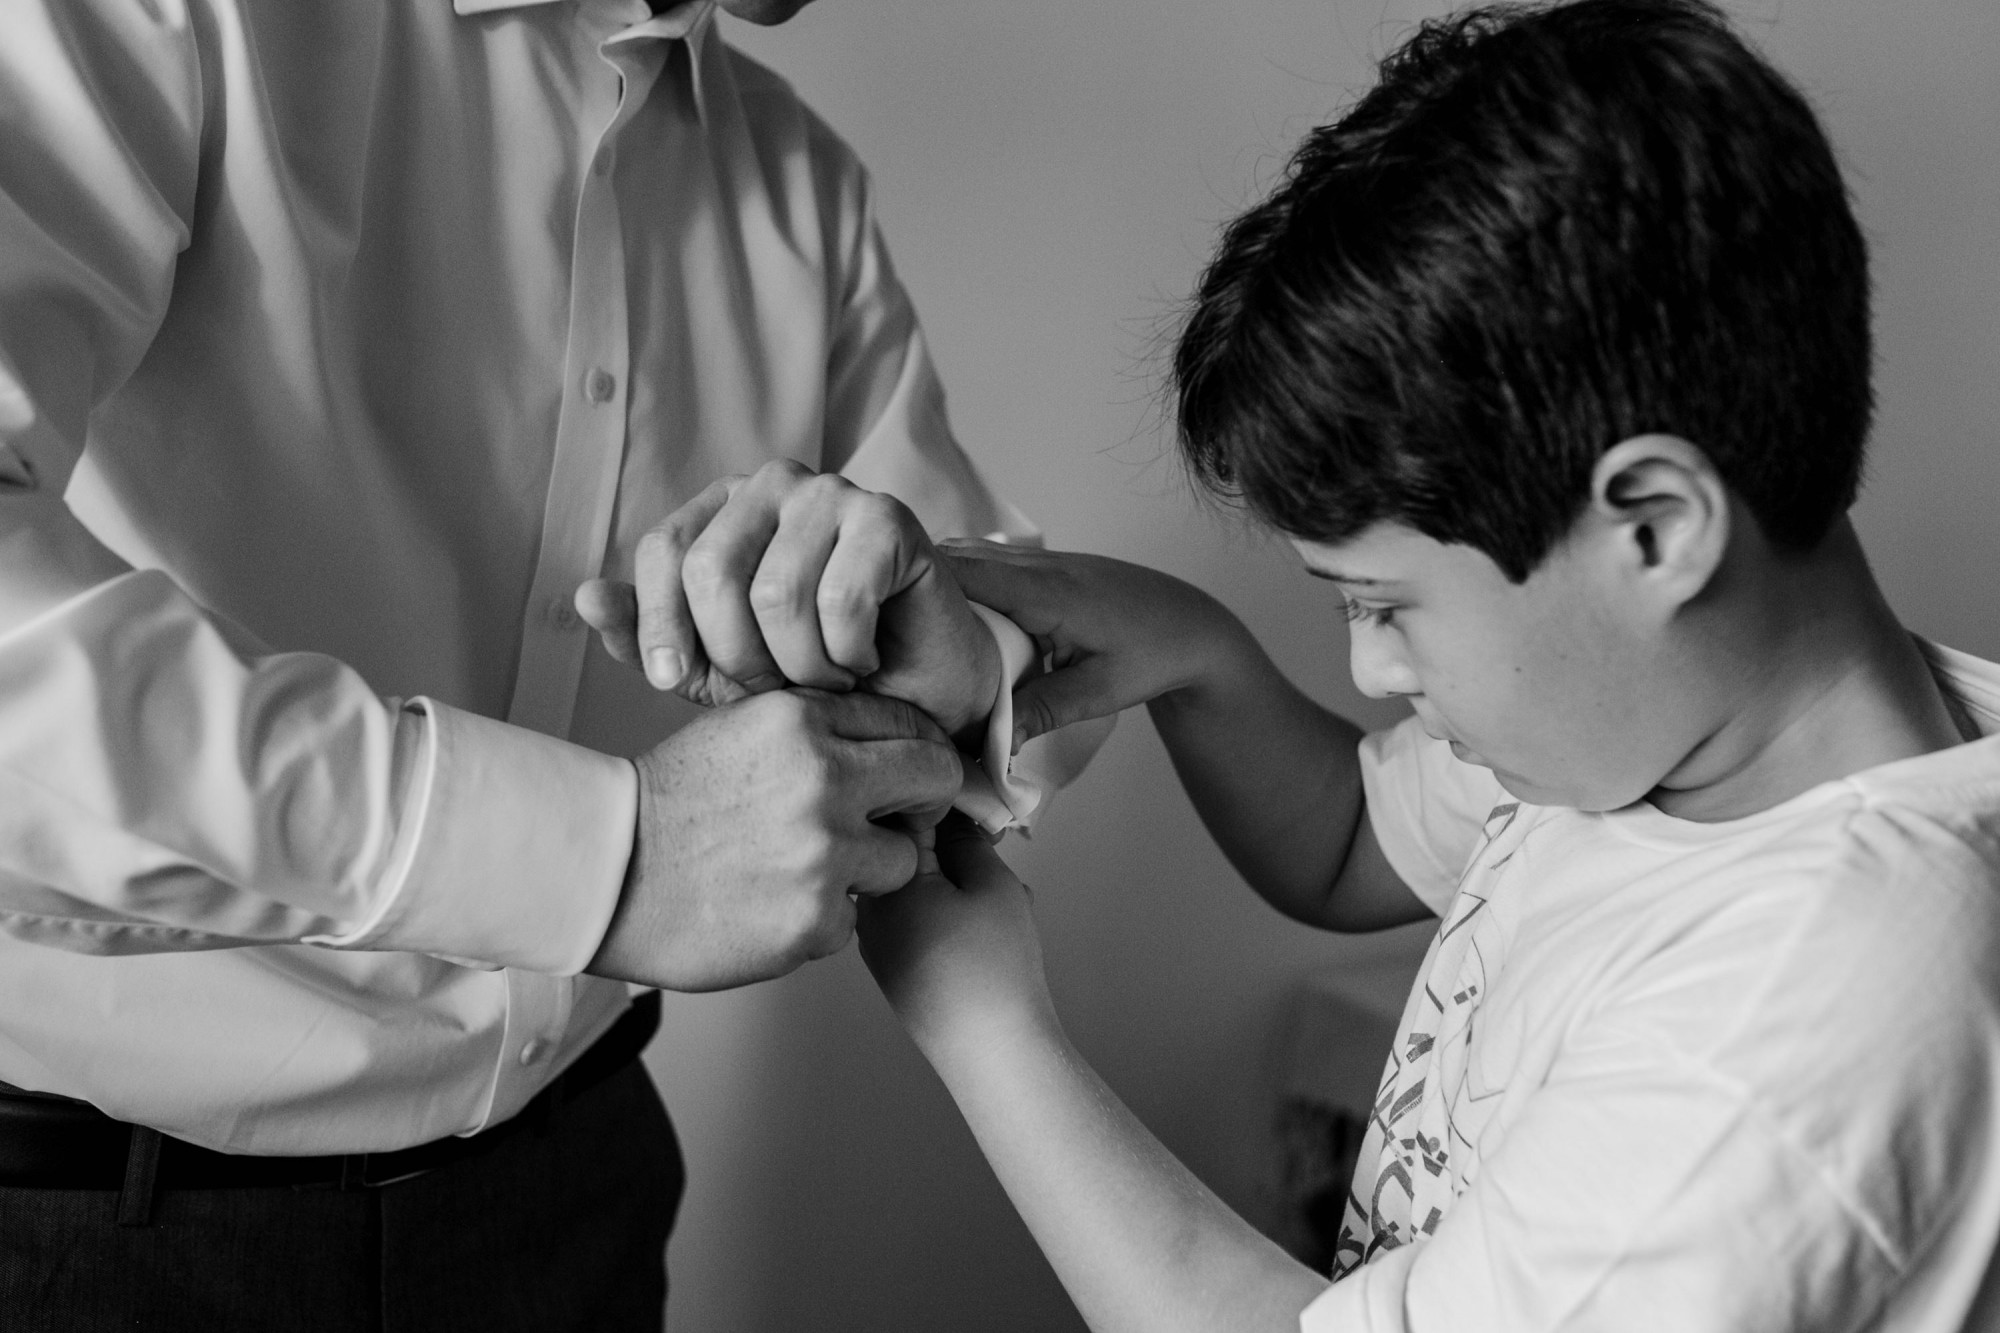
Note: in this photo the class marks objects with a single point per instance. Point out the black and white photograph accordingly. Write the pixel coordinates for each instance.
(1042, 666)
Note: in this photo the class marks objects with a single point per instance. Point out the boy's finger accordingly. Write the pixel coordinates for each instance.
(975, 548)
(970, 862)
(875, 717)
(1016, 589)
(1074, 693)
(915, 780)
(883, 862)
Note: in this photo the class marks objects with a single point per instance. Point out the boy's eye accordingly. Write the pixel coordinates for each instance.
(1359, 611)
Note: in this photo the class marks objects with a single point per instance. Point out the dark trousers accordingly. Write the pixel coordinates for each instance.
(563, 1226)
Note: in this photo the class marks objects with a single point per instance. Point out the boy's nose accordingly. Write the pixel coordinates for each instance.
(1377, 664)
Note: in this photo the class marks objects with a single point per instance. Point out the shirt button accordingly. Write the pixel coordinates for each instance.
(534, 1051)
(562, 612)
(602, 386)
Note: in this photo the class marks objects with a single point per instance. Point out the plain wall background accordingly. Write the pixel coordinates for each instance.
(1050, 174)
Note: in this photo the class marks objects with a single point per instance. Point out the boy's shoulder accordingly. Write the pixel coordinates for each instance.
(1834, 966)
(1925, 831)
(1852, 932)
(1887, 879)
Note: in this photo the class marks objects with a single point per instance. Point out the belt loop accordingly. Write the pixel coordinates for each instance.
(142, 1172)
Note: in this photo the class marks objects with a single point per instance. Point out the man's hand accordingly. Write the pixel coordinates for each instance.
(756, 823)
(956, 953)
(1116, 634)
(788, 577)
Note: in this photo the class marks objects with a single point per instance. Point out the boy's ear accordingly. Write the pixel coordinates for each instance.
(1665, 510)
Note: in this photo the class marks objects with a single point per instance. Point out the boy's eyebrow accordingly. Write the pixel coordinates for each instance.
(1336, 577)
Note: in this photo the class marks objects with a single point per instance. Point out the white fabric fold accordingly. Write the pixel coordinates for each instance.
(1005, 790)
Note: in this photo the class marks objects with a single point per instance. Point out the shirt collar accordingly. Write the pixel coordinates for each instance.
(689, 20)
(488, 6)
(681, 20)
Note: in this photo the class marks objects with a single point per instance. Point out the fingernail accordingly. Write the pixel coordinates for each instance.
(665, 668)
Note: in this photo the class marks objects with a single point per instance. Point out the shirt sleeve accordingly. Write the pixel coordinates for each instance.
(886, 425)
(1426, 806)
(166, 782)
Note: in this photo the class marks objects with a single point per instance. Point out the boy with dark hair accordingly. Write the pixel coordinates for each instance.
(1553, 355)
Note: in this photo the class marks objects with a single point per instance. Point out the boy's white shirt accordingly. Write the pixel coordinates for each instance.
(1658, 1074)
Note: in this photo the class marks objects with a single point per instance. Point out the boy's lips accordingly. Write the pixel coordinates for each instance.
(1437, 731)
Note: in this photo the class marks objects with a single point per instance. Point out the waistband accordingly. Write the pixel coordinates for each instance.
(55, 1143)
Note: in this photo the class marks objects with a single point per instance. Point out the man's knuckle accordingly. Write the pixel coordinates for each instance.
(673, 535)
(775, 592)
(821, 486)
(656, 543)
(880, 510)
(820, 775)
(843, 596)
(788, 471)
(783, 716)
(704, 570)
(804, 711)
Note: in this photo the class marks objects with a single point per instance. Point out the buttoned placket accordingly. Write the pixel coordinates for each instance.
(590, 428)
(576, 523)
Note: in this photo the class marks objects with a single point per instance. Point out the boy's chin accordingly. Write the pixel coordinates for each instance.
(769, 13)
(1588, 801)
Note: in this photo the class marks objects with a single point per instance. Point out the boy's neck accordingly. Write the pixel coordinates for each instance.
(1831, 684)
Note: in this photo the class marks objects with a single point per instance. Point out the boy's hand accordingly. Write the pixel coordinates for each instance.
(789, 577)
(956, 950)
(1117, 634)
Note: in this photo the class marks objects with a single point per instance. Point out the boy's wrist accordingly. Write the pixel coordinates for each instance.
(981, 1037)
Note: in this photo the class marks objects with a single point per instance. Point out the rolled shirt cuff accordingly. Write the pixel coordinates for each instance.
(517, 850)
(1006, 790)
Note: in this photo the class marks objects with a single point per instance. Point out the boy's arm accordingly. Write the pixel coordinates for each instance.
(1138, 1241)
(1638, 1185)
(1274, 776)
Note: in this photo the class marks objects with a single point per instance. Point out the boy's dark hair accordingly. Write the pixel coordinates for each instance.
(1545, 230)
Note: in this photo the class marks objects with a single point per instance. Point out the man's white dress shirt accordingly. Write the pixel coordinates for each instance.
(362, 333)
